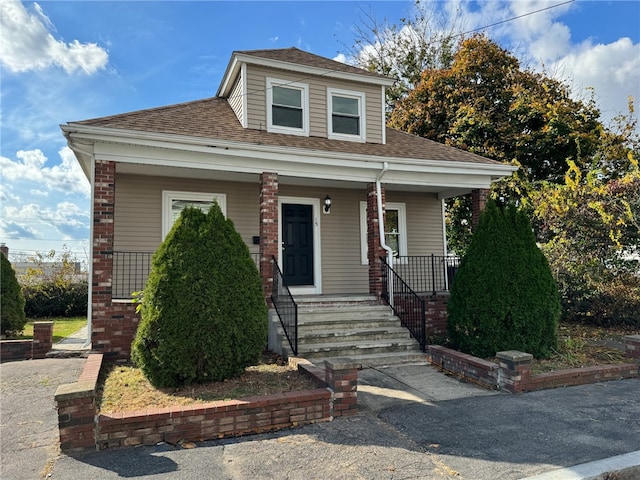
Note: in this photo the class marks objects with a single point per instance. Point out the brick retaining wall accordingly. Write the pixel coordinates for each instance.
(512, 372)
(81, 428)
(38, 347)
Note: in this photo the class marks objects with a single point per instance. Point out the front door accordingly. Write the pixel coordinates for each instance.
(297, 244)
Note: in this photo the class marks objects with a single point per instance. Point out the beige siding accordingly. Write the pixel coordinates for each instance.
(138, 209)
(424, 222)
(256, 108)
(235, 99)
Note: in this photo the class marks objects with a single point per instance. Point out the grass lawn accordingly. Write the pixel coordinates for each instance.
(62, 327)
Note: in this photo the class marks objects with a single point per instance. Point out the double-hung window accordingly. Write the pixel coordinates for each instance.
(346, 115)
(287, 107)
(174, 202)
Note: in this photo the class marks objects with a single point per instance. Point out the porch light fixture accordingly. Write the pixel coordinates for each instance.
(327, 204)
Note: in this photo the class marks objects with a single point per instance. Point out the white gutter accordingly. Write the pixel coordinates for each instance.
(383, 243)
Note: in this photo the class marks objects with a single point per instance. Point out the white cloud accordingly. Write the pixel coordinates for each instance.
(611, 70)
(66, 177)
(26, 43)
(341, 57)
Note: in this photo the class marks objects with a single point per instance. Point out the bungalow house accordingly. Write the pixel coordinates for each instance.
(295, 150)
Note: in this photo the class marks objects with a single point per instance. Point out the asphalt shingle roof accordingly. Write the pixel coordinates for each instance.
(296, 56)
(213, 118)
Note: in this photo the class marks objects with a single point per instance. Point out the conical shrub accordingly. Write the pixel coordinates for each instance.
(504, 296)
(12, 317)
(203, 313)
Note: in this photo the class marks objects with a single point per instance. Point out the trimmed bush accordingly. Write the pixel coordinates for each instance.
(12, 317)
(54, 300)
(504, 296)
(203, 314)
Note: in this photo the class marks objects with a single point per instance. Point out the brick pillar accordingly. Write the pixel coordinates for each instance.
(102, 277)
(341, 375)
(478, 201)
(268, 229)
(632, 346)
(42, 338)
(375, 251)
(514, 370)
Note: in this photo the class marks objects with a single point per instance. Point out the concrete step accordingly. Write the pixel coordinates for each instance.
(355, 349)
(383, 359)
(387, 332)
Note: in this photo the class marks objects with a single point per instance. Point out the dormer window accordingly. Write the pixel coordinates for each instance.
(287, 107)
(346, 115)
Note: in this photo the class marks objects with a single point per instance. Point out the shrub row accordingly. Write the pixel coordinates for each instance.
(53, 300)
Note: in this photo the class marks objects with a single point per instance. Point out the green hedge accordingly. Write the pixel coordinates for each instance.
(504, 296)
(12, 315)
(52, 300)
(203, 313)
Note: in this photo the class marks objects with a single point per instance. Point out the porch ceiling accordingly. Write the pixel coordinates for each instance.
(203, 174)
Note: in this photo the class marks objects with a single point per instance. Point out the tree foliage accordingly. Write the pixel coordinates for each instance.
(12, 317)
(591, 228)
(503, 296)
(203, 314)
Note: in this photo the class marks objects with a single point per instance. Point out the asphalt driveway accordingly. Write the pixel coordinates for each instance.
(414, 423)
(28, 418)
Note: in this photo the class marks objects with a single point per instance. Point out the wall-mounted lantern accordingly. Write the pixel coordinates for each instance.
(327, 204)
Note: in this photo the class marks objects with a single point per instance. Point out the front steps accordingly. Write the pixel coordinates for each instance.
(356, 327)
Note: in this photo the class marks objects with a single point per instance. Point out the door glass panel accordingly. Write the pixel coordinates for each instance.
(392, 231)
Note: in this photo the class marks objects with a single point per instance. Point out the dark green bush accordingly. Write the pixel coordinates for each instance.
(613, 300)
(503, 296)
(56, 300)
(12, 317)
(203, 314)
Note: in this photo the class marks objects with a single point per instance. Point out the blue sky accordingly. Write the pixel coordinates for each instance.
(72, 60)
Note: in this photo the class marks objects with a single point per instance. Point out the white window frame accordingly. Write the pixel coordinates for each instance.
(361, 114)
(168, 196)
(304, 88)
(402, 227)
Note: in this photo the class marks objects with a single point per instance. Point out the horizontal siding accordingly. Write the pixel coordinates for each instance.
(235, 99)
(256, 108)
(424, 222)
(138, 208)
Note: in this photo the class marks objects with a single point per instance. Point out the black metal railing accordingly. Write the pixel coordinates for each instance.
(130, 273)
(405, 303)
(285, 306)
(131, 270)
(428, 273)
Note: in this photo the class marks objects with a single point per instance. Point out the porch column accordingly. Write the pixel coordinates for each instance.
(268, 229)
(103, 230)
(374, 250)
(478, 201)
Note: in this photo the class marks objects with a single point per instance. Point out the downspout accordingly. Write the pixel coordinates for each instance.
(383, 243)
(90, 266)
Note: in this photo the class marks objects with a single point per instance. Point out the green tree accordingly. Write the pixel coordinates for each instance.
(12, 317)
(203, 314)
(504, 296)
(486, 103)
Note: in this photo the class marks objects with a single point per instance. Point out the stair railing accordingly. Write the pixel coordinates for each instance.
(285, 306)
(405, 303)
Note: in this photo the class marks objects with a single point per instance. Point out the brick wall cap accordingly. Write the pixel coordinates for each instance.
(70, 391)
(514, 356)
(44, 322)
(342, 364)
(632, 338)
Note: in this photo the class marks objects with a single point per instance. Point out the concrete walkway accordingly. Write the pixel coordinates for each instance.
(75, 345)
